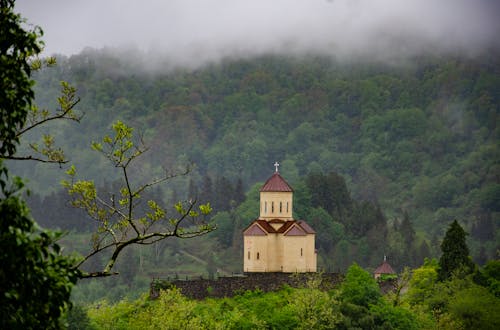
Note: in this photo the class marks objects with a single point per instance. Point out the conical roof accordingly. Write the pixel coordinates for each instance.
(276, 183)
(385, 268)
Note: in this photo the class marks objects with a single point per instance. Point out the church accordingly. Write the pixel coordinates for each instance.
(276, 242)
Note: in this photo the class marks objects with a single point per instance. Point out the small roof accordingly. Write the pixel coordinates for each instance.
(385, 268)
(276, 183)
(255, 230)
(295, 231)
(308, 229)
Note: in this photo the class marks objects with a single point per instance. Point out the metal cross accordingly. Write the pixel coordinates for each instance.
(276, 165)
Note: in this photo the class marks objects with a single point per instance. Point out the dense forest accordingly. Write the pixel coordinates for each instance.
(357, 303)
(382, 157)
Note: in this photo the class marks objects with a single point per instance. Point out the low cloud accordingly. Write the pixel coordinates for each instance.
(193, 32)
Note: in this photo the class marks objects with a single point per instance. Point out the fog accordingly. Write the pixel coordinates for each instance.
(193, 32)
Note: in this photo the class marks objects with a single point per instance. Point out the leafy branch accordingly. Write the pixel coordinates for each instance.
(119, 222)
(47, 152)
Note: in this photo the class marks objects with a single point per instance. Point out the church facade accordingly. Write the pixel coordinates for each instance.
(276, 242)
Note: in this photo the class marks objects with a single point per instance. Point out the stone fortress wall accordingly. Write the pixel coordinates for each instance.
(233, 285)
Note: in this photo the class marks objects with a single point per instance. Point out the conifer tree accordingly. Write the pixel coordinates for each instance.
(407, 230)
(423, 252)
(239, 192)
(206, 192)
(455, 252)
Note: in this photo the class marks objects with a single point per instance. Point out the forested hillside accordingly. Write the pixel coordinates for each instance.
(404, 148)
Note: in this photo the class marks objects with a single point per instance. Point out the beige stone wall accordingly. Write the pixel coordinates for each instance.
(279, 253)
(275, 248)
(294, 261)
(270, 205)
(311, 255)
(256, 256)
(300, 254)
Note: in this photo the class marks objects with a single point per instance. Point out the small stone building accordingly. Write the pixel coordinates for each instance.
(276, 242)
(383, 269)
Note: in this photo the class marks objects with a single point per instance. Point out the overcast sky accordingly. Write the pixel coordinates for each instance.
(200, 30)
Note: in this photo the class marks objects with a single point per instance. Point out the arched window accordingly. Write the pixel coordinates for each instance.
(272, 207)
(258, 256)
(301, 252)
(281, 207)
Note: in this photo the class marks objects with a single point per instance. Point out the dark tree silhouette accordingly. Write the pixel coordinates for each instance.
(455, 252)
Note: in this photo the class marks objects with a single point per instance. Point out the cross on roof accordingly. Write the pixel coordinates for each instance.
(276, 165)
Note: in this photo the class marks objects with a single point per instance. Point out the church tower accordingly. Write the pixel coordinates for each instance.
(276, 242)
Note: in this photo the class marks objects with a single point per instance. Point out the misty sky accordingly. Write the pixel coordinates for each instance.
(201, 30)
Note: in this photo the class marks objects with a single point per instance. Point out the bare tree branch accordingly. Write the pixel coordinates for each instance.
(35, 159)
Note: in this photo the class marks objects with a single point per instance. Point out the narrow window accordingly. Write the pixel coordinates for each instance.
(281, 207)
(286, 207)
(272, 207)
(258, 255)
(265, 207)
(301, 252)
(248, 255)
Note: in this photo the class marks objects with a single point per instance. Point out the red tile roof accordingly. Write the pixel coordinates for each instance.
(267, 227)
(385, 268)
(295, 231)
(276, 183)
(283, 229)
(306, 227)
(254, 230)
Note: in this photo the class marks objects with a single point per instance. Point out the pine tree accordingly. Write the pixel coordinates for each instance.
(223, 194)
(455, 252)
(239, 192)
(408, 233)
(406, 230)
(206, 193)
(423, 252)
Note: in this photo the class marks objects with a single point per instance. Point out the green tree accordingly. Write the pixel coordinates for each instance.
(35, 278)
(359, 287)
(363, 306)
(17, 47)
(455, 252)
(407, 230)
(422, 283)
(315, 309)
(330, 192)
(387, 316)
(78, 319)
(491, 274)
(475, 307)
